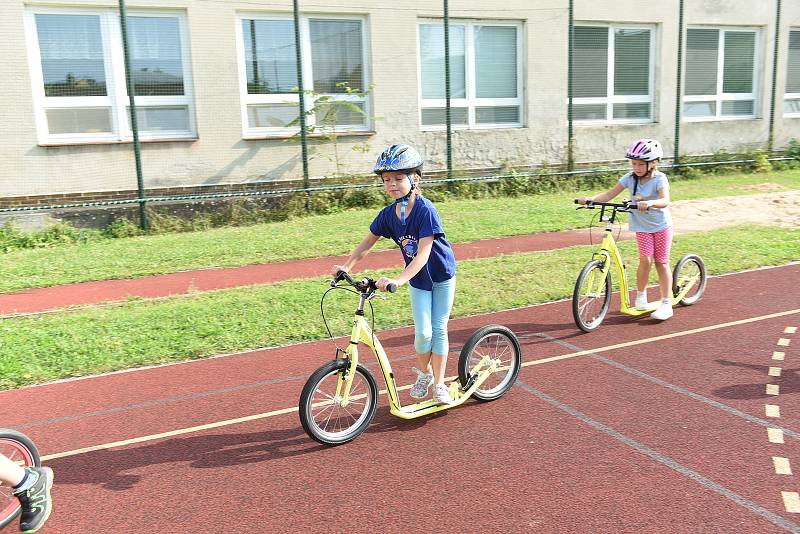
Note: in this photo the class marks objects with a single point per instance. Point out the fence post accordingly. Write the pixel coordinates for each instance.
(137, 149)
(447, 116)
(676, 158)
(301, 98)
(771, 139)
(570, 56)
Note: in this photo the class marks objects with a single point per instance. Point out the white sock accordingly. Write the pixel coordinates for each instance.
(666, 301)
(641, 294)
(29, 480)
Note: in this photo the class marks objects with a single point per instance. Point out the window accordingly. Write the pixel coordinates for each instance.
(791, 102)
(78, 75)
(485, 75)
(612, 77)
(720, 74)
(333, 61)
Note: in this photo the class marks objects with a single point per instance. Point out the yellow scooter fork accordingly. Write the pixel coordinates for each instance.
(345, 382)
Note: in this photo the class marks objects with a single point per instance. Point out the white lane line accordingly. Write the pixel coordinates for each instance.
(772, 410)
(784, 342)
(171, 433)
(151, 437)
(790, 330)
(782, 466)
(773, 389)
(775, 435)
(791, 501)
(774, 371)
(660, 338)
(778, 355)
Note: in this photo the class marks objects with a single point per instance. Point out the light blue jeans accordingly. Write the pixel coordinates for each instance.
(431, 310)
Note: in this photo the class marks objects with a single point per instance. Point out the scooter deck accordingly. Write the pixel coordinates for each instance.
(419, 409)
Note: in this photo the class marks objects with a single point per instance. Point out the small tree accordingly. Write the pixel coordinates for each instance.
(327, 110)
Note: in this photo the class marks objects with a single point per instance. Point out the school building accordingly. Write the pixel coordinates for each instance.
(215, 85)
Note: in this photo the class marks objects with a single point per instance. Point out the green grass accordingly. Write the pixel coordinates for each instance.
(80, 342)
(336, 234)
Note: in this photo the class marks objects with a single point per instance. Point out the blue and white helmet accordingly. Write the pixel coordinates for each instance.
(398, 157)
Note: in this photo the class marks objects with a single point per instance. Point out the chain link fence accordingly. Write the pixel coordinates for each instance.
(137, 106)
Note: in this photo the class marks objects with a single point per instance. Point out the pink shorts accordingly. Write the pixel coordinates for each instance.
(656, 245)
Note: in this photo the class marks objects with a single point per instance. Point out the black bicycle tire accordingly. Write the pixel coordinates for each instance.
(579, 322)
(311, 384)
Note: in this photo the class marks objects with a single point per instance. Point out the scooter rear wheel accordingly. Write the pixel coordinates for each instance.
(495, 341)
(690, 269)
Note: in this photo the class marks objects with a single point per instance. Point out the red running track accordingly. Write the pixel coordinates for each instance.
(49, 298)
(664, 432)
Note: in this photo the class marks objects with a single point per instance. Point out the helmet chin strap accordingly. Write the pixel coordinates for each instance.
(648, 174)
(404, 201)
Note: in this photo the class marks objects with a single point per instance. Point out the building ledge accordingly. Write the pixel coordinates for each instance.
(117, 142)
(279, 137)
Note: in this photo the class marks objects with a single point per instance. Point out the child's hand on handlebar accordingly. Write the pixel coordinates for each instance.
(384, 283)
(643, 205)
(582, 201)
(336, 268)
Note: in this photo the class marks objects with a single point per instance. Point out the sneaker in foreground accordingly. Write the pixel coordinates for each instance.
(36, 501)
(420, 388)
(663, 312)
(641, 302)
(441, 394)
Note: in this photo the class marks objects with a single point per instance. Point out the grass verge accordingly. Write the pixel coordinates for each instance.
(75, 343)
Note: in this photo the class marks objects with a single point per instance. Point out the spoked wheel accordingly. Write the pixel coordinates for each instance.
(592, 296)
(689, 271)
(497, 342)
(321, 411)
(21, 450)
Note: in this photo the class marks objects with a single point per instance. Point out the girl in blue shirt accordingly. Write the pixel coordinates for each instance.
(413, 223)
(651, 221)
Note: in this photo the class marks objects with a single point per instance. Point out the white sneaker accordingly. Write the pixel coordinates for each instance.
(641, 301)
(441, 394)
(420, 388)
(663, 312)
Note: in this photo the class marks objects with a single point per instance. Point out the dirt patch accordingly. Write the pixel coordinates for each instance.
(766, 186)
(775, 209)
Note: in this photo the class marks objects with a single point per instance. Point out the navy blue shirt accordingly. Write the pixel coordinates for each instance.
(423, 221)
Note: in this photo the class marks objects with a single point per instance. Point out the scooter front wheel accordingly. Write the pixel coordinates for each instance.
(19, 449)
(591, 297)
(324, 415)
(496, 342)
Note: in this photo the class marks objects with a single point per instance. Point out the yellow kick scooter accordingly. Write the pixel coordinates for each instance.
(339, 399)
(592, 295)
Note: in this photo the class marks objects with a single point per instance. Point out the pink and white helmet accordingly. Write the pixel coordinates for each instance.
(645, 150)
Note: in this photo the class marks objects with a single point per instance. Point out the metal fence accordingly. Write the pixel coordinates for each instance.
(130, 105)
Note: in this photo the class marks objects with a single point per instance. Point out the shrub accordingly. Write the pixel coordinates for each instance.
(122, 227)
(12, 237)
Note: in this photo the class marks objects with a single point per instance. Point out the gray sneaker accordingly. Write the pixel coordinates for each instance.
(36, 501)
(420, 388)
(441, 394)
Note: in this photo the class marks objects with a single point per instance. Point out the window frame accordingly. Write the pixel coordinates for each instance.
(471, 102)
(116, 98)
(246, 99)
(721, 97)
(610, 99)
(786, 95)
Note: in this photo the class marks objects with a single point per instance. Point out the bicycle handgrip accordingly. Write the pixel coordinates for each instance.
(391, 288)
(342, 275)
